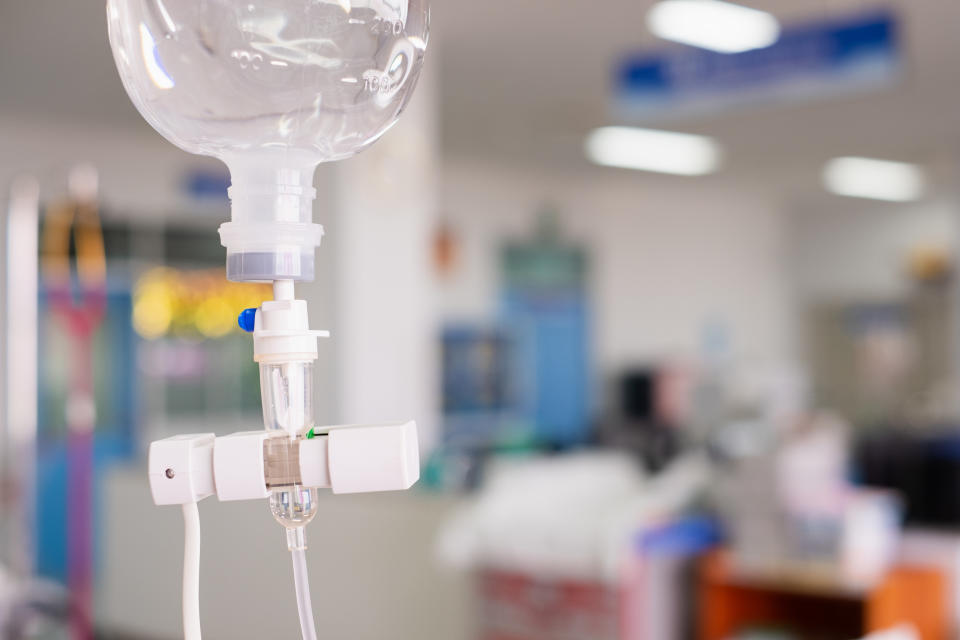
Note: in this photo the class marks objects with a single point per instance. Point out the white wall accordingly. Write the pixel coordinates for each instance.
(858, 249)
(668, 255)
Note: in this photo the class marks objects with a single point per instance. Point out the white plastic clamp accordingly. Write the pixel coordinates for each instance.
(238, 466)
(181, 469)
(365, 458)
(361, 458)
(347, 459)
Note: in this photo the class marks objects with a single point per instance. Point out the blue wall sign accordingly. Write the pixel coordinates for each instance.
(839, 56)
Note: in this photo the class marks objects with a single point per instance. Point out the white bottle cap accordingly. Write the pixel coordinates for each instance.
(267, 251)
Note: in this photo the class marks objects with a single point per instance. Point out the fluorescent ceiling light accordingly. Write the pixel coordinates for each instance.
(650, 150)
(876, 179)
(712, 24)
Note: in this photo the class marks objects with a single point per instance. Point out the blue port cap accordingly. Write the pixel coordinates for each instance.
(246, 319)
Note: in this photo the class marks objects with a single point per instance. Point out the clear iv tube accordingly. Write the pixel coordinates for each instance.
(304, 606)
(283, 289)
(301, 582)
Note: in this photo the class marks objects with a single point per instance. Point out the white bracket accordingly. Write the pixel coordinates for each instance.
(346, 459)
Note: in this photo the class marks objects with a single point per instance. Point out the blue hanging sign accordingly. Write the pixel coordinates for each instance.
(839, 56)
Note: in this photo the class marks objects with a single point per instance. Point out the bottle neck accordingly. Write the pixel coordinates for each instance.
(264, 190)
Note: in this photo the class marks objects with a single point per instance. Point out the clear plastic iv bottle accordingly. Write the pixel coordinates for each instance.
(272, 88)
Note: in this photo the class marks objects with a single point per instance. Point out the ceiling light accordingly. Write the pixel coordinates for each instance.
(876, 179)
(651, 150)
(712, 24)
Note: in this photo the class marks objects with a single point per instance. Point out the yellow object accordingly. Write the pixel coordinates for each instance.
(80, 217)
(174, 302)
(929, 263)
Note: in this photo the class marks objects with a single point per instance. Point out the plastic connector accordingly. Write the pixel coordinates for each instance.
(181, 469)
(282, 334)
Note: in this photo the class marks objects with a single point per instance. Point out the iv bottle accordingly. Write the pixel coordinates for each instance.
(272, 88)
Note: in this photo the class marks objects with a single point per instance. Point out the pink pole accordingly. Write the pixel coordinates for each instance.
(80, 423)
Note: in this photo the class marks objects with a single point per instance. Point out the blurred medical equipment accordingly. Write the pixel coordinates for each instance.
(639, 416)
(273, 88)
(80, 306)
(917, 463)
(552, 541)
(793, 512)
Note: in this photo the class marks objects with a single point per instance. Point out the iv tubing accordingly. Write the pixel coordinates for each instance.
(296, 542)
(283, 289)
(296, 538)
(191, 571)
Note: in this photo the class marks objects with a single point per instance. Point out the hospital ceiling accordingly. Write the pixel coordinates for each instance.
(523, 81)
